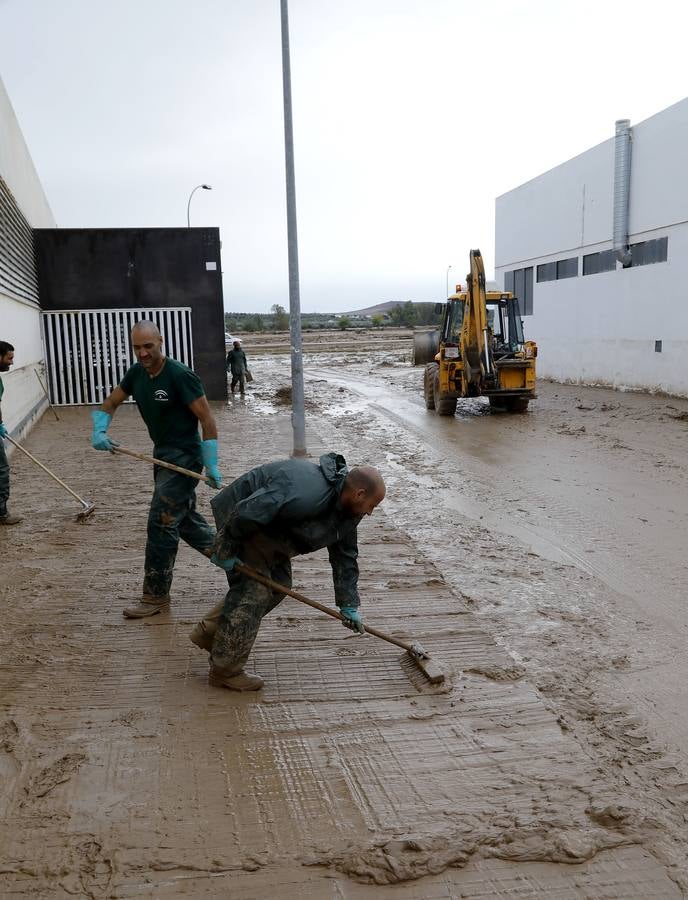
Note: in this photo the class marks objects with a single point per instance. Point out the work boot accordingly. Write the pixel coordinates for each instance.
(203, 634)
(201, 637)
(235, 681)
(9, 519)
(146, 606)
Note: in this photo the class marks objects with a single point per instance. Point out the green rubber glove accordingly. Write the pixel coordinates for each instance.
(99, 438)
(351, 618)
(209, 451)
(226, 564)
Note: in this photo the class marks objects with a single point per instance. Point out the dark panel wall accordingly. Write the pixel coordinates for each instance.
(119, 268)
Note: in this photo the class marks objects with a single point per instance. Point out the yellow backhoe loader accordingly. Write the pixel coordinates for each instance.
(480, 350)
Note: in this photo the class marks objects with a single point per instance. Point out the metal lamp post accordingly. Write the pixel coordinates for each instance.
(206, 187)
(298, 415)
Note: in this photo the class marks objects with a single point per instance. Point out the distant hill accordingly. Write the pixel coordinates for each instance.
(390, 304)
(382, 307)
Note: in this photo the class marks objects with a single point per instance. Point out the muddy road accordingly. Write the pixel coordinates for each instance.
(542, 559)
(564, 531)
(590, 479)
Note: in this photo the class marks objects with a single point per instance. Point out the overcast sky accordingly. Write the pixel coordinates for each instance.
(410, 117)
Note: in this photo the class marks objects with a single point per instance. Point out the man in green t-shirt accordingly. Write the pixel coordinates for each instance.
(238, 366)
(172, 402)
(6, 518)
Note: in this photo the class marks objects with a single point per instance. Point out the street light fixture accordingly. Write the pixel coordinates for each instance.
(448, 268)
(206, 187)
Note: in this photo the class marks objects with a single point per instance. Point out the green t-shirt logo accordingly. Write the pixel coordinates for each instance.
(164, 402)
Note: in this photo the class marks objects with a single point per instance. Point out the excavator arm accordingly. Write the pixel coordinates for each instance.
(476, 351)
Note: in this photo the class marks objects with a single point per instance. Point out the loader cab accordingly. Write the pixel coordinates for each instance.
(505, 324)
(452, 322)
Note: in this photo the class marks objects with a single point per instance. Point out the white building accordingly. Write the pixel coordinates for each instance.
(23, 206)
(602, 276)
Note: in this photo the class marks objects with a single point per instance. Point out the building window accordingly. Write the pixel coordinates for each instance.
(567, 268)
(547, 272)
(561, 268)
(604, 261)
(519, 282)
(647, 252)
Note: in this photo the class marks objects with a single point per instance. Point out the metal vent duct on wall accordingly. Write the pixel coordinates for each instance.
(622, 189)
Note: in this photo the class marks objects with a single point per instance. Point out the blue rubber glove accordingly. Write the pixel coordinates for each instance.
(99, 438)
(226, 564)
(351, 618)
(209, 451)
(3, 430)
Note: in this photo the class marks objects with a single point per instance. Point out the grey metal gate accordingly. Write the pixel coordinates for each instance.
(88, 351)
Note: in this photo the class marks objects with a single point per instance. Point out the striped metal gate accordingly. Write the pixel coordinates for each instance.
(88, 351)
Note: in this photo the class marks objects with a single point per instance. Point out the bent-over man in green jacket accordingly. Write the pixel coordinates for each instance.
(265, 518)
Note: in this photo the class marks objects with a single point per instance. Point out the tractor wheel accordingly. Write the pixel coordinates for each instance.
(497, 403)
(444, 406)
(429, 385)
(517, 404)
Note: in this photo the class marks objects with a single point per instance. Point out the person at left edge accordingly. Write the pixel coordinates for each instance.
(172, 402)
(6, 517)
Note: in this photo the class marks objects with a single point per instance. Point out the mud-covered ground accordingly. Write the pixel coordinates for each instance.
(540, 557)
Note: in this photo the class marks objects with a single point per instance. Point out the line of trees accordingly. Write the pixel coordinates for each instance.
(403, 314)
(411, 313)
(276, 320)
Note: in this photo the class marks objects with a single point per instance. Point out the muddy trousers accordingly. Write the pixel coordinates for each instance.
(4, 479)
(247, 602)
(173, 516)
(238, 380)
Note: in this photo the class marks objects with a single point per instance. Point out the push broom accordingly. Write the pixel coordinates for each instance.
(86, 507)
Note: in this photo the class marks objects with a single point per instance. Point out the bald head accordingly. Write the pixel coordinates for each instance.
(368, 479)
(146, 328)
(146, 342)
(364, 489)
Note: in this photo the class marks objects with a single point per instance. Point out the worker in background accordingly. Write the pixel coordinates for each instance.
(265, 518)
(6, 517)
(238, 366)
(172, 403)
